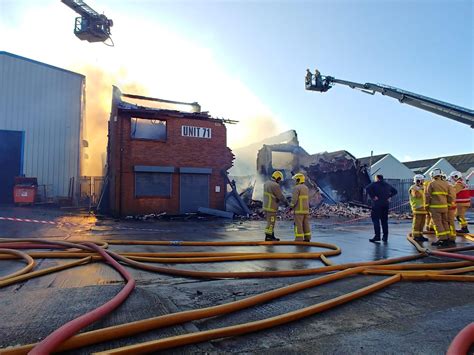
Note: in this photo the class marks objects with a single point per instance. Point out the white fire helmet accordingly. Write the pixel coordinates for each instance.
(418, 178)
(436, 172)
(455, 175)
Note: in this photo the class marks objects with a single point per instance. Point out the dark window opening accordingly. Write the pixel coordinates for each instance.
(148, 129)
(152, 184)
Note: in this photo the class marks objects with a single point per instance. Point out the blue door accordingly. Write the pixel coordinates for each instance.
(11, 162)
(194, 192)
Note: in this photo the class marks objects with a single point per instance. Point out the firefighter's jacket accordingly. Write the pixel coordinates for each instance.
(463, 196)
(417, 199)
(437, 196)
(300, 199)
(452, 195)
(272, 196)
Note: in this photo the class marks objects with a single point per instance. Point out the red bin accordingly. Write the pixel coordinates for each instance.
(24, 190)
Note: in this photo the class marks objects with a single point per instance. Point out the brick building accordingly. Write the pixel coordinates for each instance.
(163, 160)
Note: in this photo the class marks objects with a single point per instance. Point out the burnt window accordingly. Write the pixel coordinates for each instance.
(148, 129)
(152, 184)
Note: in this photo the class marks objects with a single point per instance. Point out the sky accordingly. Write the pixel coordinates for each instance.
(246, 61)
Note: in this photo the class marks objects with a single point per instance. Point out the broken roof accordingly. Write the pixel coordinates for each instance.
(154, 112)
(124, 106)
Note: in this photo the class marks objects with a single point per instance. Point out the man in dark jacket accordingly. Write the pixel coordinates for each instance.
(380, 193)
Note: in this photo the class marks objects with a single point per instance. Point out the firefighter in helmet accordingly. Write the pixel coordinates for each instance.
(437, 200)
(300, 205)
(272, 197)
(418, 207)
(463, 199)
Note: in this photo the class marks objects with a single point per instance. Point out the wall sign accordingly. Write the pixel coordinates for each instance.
(196, 132)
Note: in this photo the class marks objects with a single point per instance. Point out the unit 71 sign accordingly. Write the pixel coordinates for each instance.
(197, 132)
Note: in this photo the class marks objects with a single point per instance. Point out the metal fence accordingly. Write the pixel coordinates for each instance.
(90, 188)
(400, 202)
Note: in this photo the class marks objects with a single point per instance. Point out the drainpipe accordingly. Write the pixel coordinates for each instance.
(121, 163)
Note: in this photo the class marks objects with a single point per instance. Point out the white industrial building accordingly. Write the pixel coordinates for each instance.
(388, 166)
(41, 124)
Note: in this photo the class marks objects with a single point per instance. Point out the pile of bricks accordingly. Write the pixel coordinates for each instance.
(326, 211)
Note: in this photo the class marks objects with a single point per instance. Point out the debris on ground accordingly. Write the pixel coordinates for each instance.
(325, 211)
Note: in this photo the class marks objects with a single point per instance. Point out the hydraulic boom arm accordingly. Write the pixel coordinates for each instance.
(320, 83)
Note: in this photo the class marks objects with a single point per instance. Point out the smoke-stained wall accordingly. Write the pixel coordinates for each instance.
(46, 103)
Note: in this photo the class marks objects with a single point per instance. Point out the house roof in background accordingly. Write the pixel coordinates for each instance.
(375, 158)
(461, 162)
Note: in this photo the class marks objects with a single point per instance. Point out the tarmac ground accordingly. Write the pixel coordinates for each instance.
(404, 318)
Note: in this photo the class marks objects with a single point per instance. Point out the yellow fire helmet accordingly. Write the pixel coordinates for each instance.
(299, 178)
(277, 174)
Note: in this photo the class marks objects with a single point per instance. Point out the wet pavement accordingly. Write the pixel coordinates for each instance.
(407, 317)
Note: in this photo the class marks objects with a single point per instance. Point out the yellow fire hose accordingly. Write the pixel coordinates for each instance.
(12, 280)
(30, 263)
(246, 328)
(411, 272)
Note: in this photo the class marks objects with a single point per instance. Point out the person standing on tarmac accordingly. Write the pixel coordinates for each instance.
(272, 197)
(300, 205)
(437, 201)
(380, 193)
(451, 209)
(463, 200)
(428, 222)
(418, 207)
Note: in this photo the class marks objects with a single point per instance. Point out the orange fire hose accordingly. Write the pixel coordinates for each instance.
(53, 340)
(412, 272)
(245, 328)
(12, 279)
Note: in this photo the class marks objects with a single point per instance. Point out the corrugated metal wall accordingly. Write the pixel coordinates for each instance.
(47, 104)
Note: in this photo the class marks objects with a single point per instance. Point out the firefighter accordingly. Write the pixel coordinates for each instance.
(428, 222)
(463, 200)
(300, 205)
(437, 201)
(418, 207)
(272, 197)
(452, 211)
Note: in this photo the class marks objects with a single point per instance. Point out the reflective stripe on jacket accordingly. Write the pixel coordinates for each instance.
(437, 196)
(463, 197)
(272, 196)
(417, 199)
(300, 199)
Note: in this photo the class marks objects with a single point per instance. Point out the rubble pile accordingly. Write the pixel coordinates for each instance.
(340, 210)
(324, 211)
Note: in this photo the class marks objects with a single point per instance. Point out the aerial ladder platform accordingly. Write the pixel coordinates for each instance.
(318, 82)
(90, 26)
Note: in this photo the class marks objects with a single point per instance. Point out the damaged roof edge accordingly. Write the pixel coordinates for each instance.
(131, 107)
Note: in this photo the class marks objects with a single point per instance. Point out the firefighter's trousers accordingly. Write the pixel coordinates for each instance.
(418, 223)
(440, 221)
(302, 228)
(271, 219)
(429, 223)
(461, 216)
(452, 226)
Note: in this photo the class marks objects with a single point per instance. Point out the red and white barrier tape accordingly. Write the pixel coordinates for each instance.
(27, 220)
(33, 221)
